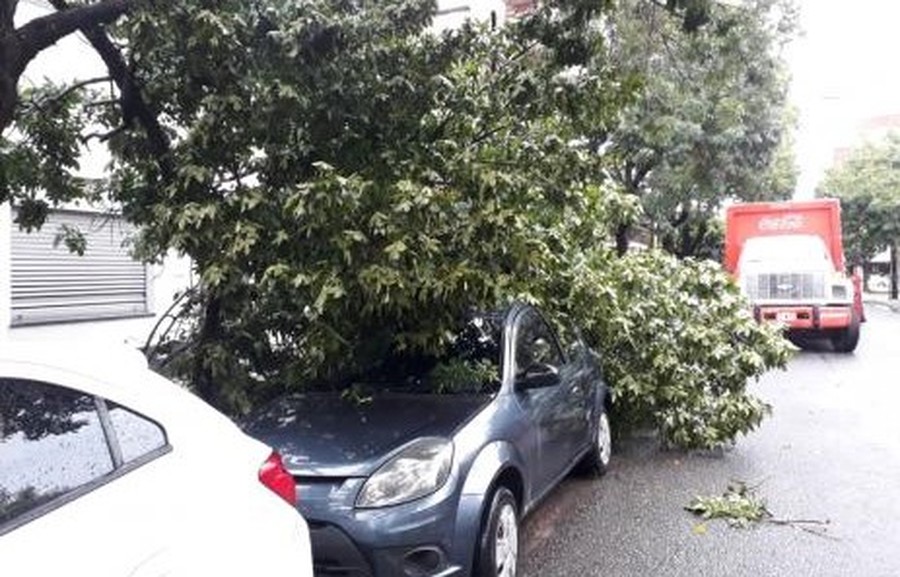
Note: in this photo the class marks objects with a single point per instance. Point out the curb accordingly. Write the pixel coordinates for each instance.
(893, 306)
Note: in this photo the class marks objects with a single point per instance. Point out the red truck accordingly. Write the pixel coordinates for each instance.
(788, 259)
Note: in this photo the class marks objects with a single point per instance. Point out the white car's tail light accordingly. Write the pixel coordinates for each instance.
(273, 475)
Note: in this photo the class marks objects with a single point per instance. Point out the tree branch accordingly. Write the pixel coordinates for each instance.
(102, 136)
(133, 103)
(100, 103)
(7, 14)
(69, 90)
(44, 31)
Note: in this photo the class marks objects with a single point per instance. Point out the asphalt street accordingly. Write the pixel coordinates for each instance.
(829, 453)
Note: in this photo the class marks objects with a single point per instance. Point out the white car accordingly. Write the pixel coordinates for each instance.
(108, 469)
(878, 283)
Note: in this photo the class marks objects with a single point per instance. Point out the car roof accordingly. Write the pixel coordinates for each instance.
(119, 373)
(106, 361)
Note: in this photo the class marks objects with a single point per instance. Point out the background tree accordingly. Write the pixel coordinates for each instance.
(711, 121)
(868, 185)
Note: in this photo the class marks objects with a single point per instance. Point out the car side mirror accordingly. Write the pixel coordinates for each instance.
(538, 376)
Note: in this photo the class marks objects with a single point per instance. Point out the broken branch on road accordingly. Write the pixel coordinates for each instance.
(740, 506)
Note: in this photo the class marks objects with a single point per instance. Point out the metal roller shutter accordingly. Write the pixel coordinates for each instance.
(50, 284)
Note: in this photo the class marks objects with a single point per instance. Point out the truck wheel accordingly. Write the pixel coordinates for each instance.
(846, 340)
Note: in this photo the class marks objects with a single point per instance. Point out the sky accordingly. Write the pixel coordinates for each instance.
(843, 72)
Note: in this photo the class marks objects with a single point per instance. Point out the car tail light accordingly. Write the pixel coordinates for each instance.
(273, 475)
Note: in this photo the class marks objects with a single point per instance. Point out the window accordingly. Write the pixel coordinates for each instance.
(535, 344)
(469, 362)
(55, 442)
(570, 341)
(136, 435)
(50, 284)
(51, 443)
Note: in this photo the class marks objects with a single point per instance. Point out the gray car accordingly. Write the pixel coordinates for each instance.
(426, 465)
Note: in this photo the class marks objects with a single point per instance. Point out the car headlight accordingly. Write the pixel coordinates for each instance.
(418, 470)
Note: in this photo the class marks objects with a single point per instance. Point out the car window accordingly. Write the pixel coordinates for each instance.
(570, 340)
(51, 443)
(468, 362)
(137, 435)
(535, 343)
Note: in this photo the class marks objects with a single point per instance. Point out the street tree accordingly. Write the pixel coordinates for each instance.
(711, 121)
(868, 185)
(19, 45)
(43, 130)
(347, 182)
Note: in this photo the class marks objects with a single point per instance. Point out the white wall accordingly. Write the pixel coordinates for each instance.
(452, 13)
(5, 281)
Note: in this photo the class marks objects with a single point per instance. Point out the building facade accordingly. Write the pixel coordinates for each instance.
(49, 292)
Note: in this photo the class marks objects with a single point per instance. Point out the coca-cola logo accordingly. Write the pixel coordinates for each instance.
(779, 223)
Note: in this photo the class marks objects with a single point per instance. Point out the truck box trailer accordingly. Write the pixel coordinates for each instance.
(788, 259)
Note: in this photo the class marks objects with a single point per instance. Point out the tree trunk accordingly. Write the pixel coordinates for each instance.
(204, 377)
(692, 238)
(622, 233)
(893, 250)
(8, 91)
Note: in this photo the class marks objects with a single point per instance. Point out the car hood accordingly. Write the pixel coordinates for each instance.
(327, 435)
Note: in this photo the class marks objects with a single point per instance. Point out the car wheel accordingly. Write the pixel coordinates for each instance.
(846, 340)
(596, 462)
(498, 553)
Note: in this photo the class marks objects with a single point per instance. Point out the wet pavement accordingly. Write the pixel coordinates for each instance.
(829, 453)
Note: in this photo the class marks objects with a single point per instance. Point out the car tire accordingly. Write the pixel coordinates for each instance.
(847, 339)
(596, 462)
(498, 543)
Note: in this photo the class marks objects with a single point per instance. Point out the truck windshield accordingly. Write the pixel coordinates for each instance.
(809, 250)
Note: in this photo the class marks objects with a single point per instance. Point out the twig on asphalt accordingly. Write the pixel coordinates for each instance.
(803, 525)
(740, 507)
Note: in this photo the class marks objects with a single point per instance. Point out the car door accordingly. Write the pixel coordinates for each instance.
(72, 500)
(550, 394)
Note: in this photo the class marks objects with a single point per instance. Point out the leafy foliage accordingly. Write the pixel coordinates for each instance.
(868, 184)
(348, 183)
(12, 505)
(344, 171)
(739, 505)
(678, 343)
(711, 121)
(38, 161)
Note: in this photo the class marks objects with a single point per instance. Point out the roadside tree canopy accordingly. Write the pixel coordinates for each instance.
(346, 181)
(868, 185)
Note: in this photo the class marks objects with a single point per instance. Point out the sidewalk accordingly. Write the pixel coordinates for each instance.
(881, 300)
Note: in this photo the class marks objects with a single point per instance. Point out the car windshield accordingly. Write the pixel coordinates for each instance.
(469, 362)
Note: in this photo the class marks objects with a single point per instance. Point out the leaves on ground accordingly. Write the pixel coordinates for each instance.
(738, 505)
(741, 507)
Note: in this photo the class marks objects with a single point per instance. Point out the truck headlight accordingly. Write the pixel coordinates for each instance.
(418, 470)
(839, 291)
